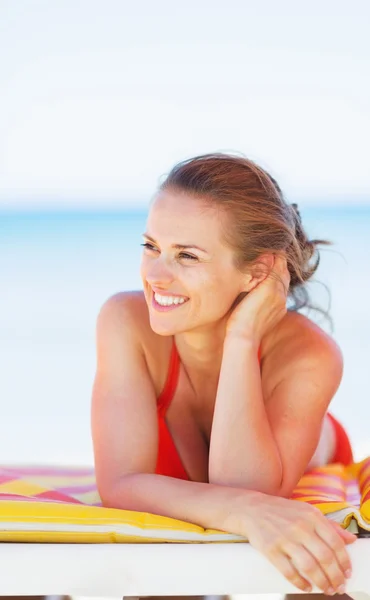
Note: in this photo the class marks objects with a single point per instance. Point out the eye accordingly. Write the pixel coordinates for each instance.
(187, 256)
(149, 246)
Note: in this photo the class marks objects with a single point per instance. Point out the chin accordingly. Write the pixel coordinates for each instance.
(165, 329)
(166, 326)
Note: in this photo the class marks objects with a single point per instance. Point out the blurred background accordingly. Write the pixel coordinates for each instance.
(98, 100)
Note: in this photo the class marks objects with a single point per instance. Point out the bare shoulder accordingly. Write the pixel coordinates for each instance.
(129, 312)
(126, 313)
(126, 306)
(299, 344)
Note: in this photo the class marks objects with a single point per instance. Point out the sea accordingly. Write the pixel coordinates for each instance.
(58, 267)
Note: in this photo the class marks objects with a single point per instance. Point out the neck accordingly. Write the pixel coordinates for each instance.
(201, 353)
(201, 356)
(200, 349)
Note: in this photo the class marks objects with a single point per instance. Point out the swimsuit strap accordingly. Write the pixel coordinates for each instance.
(165, 397)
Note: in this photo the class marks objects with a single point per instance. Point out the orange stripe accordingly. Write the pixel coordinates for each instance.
(323, 489)
(365, 497)
(329, 485)
(365, 465)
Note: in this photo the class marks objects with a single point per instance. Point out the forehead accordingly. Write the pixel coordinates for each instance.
(177, 214)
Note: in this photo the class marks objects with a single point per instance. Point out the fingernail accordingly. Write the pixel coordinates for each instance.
(308, 589)
(341, 589)
(330, 591)
(348, 573)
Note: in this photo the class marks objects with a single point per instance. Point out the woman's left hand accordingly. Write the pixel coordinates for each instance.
(263, 307)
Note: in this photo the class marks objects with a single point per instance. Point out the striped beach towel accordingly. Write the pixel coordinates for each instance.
(60, 504)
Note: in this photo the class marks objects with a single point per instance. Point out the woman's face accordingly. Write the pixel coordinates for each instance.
(189, 278)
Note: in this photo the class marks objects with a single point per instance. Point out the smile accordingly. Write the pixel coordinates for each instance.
(167, 302)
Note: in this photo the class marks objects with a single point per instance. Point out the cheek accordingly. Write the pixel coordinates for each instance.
(216, 296)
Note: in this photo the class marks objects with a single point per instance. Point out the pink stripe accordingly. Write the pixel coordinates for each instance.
(77, 489)
(19, 498)
(54, 495)
(321, 474)
(48, 471)
(321, 501)
(318, 499)
(14, 497)
(318, 489)
(6, 478)
(326, 497)
(323, 498)
(354, 498)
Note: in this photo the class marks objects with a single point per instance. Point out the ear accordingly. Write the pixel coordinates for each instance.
(258, 271)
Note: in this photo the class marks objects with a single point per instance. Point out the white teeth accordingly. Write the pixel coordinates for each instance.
(168, 300)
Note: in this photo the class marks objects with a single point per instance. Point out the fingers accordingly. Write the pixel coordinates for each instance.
(313, 552)
(286, 568)
(321, 556)
(335, 538)
(346, 535)
(309, 565)
(317, 561)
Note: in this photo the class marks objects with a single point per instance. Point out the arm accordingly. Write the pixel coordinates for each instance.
(124, 428)
(243, 451)
(267, 446)
(125, 440)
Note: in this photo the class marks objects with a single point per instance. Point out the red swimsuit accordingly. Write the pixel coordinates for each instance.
(169, 462)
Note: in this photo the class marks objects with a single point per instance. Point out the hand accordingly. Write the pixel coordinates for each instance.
(300, 542)
(263, 307)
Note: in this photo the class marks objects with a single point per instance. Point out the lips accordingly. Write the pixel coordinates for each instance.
(166, 299)
(166, 302)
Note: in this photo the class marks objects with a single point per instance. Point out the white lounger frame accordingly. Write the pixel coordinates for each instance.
(116, 570)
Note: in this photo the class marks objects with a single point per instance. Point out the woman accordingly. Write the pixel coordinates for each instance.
(210, 397)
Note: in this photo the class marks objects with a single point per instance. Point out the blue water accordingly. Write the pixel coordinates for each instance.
(58, 268)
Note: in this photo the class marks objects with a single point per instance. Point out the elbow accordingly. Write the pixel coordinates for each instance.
(116, 494)
(109, 496)
(108, 499)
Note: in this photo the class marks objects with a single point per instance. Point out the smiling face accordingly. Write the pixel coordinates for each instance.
(189, 277)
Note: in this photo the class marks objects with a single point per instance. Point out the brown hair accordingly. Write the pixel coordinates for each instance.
(260, 220)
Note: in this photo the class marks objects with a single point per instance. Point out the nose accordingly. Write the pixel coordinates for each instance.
(158, 273)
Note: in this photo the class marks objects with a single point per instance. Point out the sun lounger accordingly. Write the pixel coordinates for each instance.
(56, 539)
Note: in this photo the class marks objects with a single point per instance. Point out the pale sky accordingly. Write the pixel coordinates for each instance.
(98, 99)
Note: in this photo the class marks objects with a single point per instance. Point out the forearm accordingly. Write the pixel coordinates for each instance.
(204, 504)
(243, 451)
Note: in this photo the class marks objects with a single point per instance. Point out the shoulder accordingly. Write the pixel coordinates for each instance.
(118, 321)
(299, 345)
(128, 312)
(118, 325)
(124, 305)
(125, 316)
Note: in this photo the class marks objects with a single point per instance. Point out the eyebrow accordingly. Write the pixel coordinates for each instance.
(177, 246)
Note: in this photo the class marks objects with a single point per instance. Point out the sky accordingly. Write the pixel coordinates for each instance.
(99, 99)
